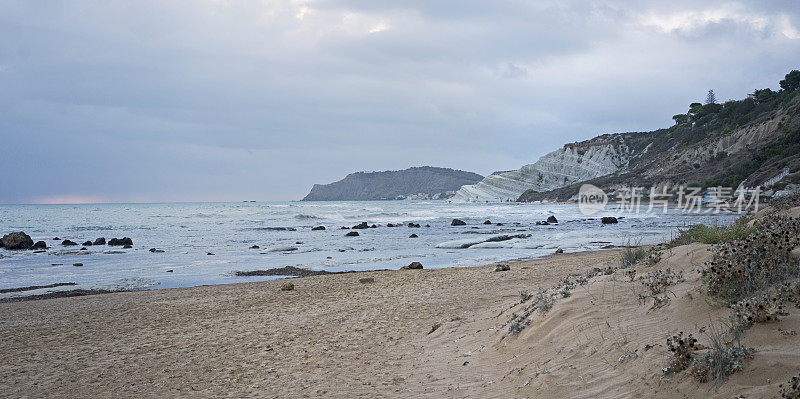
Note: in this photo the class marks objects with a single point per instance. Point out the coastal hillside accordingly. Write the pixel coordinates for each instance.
(753, 141)
(424, 182)
(750, 142)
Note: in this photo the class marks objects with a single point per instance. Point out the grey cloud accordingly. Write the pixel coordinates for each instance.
(224, 100)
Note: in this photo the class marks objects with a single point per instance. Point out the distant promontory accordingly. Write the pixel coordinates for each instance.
(424, 182)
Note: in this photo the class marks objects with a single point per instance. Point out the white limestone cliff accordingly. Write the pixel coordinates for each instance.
(571, 164)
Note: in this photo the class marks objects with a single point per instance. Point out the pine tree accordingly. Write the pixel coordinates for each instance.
(711, 98)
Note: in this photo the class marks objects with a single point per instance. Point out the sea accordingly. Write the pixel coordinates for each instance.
(207, 243)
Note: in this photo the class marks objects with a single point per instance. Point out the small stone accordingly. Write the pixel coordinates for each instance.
(552, 219)
(287, 286)
(100, 241)
(559, 251)
(609, 220)
(255, 247)
(366, 280)
(210, 253)
(87, 244)
(318, 228)
(458, 222)
(487, 222)
(68, 243)
(83, 249)
(77, 264)
(170, 271)
(503, 267)
(40, 245)
(413, 236)
(412, 266)
(352, 234)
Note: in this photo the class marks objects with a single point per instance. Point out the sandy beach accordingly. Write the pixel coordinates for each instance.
(410, 333)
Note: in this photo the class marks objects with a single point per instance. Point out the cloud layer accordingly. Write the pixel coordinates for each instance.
(231, 100)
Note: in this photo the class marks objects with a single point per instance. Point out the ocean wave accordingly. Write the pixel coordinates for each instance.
(301, 216)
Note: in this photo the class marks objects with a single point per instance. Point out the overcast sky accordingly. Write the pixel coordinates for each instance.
(201, 100)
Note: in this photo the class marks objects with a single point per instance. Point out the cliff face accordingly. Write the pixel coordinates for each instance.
(568, 165)
(415, 183)
(752, 142)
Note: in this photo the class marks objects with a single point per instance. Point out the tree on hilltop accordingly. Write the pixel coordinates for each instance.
(791, 82)
(711, 98)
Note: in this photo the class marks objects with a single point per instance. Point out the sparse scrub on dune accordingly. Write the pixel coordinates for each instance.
(656, 282)
(713, 234)
(723, 357)
(766, 306)
(631, 256)
(542, 302)
(791, 389)
(744, 267)
(787, 202)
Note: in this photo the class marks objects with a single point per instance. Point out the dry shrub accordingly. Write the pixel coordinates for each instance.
(656, 282)
(791, 389)
(743, 267)
(542, 302)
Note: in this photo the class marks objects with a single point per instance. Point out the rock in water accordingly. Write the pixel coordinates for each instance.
(123, 241)
(100, 241)
(552, 219)
(362, 225)
(413, 236)
(17, 240)
(503, 267)
(413, 225)
(458, 222)
(40, 245)
(608, 220)
(87, 244)
(487, 222)
(352, 234)
(287, 286)
(318, 228)
(559, 251)
(68, 243)
(412, 266)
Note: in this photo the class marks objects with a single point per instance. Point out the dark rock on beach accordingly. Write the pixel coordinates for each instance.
(458, 222)
(100, 241)
(412, 266)
(608, 220)
(502, 267)
(17, 240)
(287, 286)
(68, 243)
(352, 234)
(284, 271)
(34, 287)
